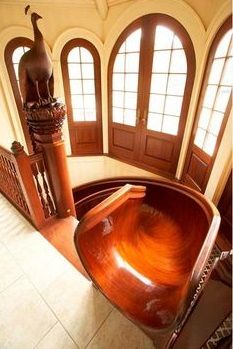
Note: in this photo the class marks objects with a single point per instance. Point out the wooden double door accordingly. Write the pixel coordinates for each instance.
(151, 74)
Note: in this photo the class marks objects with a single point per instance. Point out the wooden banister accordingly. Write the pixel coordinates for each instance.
(23, 169)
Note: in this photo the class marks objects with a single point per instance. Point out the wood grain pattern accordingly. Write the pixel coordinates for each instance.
(147, 254)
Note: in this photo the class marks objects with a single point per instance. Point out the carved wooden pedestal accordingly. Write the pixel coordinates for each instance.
(45, 123)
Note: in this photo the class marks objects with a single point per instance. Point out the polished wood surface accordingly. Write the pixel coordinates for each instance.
(147, 254)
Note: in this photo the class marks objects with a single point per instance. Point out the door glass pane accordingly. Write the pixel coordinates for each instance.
(74, 55)
(118, 115)
(130, 100)
(89, 102)
(209, 144)
(133, 41)
(154, 122)
(77, 101)
(118, 99)
(132, 62)
(223, 45)
(222, 98)
(90, 114)
(176, 84)
(76, 87)
(210, 96)
(170, 124)
(227, 78)
(159, 83)
(178, 62)
(131, 82)
(163, 38)
(74, 71)
(17, 54)
(87, 71)
(130, 117)
(118, 81)
(161, 61)
(86, 56)
(119, 65)
(204, 118)
(88, 86)
(78, 114)
(216, 71)
(177, 43)
(156, 103)
(173, 105)
(215, 123)
(200, 137)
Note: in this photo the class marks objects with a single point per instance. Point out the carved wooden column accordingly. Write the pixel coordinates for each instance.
(45, 122)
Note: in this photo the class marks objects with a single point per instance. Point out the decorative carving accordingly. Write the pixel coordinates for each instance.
(35, 69)
(46, 119)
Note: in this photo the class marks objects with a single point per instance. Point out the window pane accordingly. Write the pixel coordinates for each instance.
(159, 83)
(130, 117)
(223, 45)
(89, 101)
(119, 64)
(133, 41)
(209, 144)
(156, 103)
(76, 87)
(200, 137)
(118, 99)
(170, 124)
(131, 82)
(87, 71)
(16, 69)
(74, 55)
(74, 71)
(176, 84)
(204, 118)
(216, 71)
(210, 96)
(154, 122)
(132, 62)
(118, 82)
(222, 98)
(227, 78)
(88, 86)
(215, 123)
(17, 54)
(177, 43)
(130, 100)
(77, 101)
(86, 56)
(178, 62)
(118, 115)
(163, 38)
(78, 114)
(173, 105)
(90, 114)
(161, 61)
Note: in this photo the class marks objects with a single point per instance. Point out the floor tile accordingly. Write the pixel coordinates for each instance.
(78, 305)
(24, 317)
(119, 333)
(57, 338)
(9, 270)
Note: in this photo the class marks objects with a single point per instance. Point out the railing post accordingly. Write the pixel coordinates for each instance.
(46, 122)
(24, 172)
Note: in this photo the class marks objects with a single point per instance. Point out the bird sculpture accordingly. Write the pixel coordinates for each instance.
(35, 69)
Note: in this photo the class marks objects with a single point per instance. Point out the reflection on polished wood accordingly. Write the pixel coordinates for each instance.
(146, 253)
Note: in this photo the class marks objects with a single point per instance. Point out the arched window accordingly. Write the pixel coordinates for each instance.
(13, 52)
(213, 110)
(151, 73)
(81, 75)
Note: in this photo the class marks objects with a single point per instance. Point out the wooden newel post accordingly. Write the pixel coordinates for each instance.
(46, 123)
(24, 172)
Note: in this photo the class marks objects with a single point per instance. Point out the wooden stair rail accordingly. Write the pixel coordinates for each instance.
(17, 167)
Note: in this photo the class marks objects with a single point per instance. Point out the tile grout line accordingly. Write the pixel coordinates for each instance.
(47, 332)
(12, 283)
(95, 333)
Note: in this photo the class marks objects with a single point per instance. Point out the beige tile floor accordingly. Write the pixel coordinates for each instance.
(45, 303)
(90, 168)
